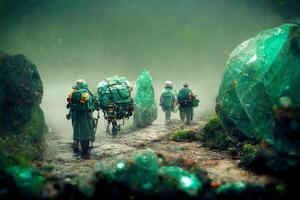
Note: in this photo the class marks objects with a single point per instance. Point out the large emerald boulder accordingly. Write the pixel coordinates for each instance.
(145, 107)
(21, 91)
(260, 72)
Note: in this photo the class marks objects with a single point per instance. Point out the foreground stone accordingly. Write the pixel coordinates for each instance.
(261, 73)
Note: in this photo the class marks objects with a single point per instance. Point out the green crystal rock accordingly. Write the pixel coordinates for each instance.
(176, 177)
(237, 187)
(142, 172)
(259, 72)
(28, 179)
(145, 107)
(138, 172)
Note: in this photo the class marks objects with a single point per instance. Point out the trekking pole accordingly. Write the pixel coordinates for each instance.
(96, 124)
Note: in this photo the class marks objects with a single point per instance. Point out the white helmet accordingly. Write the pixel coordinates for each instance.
(168, 84)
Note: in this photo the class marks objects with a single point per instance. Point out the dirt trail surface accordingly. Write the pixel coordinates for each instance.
(65, 164)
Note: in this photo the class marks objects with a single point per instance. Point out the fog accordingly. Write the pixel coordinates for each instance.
(177, 40)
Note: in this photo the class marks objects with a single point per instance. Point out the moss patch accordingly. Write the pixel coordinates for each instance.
(36, 126)
(19, 150)
(183, 135)
(215, 136)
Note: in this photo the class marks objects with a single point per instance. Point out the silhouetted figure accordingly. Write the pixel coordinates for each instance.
(80, 103)
(168, 100)
(186, 100)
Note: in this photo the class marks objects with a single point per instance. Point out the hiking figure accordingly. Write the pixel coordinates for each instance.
(115, 101)
(81, 105)
(168, 100)
(187, 101)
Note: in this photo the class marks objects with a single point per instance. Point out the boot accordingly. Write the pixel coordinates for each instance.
(76, 146)
(84, 149)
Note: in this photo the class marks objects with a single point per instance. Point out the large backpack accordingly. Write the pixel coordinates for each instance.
(75, 100)
(114, 90)
(184, 97)
(167, 99)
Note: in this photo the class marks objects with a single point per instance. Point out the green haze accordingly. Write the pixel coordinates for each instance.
(177, 40)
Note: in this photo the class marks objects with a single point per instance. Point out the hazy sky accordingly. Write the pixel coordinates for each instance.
(177, 40)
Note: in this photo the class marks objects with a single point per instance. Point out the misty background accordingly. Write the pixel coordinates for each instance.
(177, 40)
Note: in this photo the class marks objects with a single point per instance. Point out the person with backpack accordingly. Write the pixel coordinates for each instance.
(115, 101)
(187, 101)
(81, 105)
(168, 100)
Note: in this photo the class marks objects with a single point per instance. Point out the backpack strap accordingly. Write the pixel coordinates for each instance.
(108, 86)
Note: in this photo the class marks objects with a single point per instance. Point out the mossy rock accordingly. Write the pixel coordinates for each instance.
(19, 150)
(213, 124)
(249, 148)
(22, 121)
(183, 135)
(21, 94)
(36, 126)
(215, 136)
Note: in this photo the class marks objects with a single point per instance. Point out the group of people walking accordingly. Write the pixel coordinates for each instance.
(185, 99)
(82, 103)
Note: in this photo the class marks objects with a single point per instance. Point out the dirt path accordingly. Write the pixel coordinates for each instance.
(220, 167)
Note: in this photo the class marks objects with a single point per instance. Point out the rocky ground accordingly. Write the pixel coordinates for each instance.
(63, 163)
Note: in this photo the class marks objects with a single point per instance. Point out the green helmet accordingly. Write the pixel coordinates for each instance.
(81, 84)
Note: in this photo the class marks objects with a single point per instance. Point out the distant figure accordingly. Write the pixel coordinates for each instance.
(80, 103)
(168, 100)
(186, 100)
